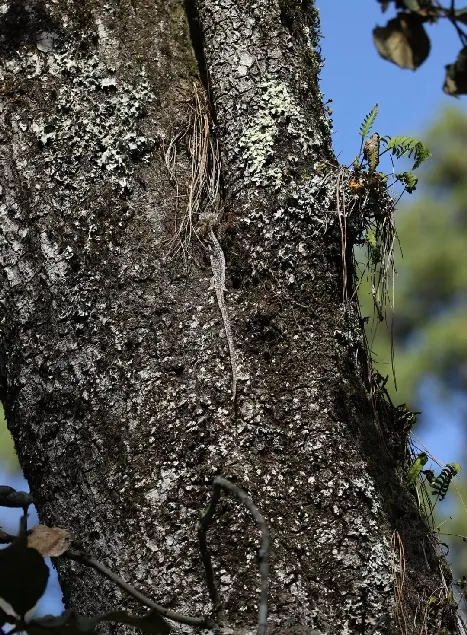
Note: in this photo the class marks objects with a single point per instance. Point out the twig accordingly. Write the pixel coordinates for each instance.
(83, 558)
(23, 524)
(11, 498)
(460, 32)
(6, 538)
(206, 558)
(204, 523)
(442, 533)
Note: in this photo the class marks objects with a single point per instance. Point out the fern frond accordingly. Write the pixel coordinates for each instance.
(401, 145)
(413, 148)
(368, 121)
(441, 483)
(421, 154)
(416, 468)
(408, 180)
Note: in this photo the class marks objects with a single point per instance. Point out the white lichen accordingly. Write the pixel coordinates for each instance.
(277, 106)
(94, 129)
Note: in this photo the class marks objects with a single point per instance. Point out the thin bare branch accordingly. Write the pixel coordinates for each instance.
(83, 558)
(206, 520)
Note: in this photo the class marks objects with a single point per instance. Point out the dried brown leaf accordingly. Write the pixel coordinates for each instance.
(403, 41)
(49, 541)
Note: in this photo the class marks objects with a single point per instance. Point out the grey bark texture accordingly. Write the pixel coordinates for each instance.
(117, 375)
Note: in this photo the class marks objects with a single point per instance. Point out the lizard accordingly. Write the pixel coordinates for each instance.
(217, 258)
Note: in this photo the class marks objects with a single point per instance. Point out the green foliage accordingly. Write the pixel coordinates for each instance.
(374, 247)
(429, 333)
(416, 468)
(408, 179)
(398, 146)
(407, 146)
(420, 480)
(429, 328)
(8, 455)
(440, 484)
(456, 526)
(368, 122)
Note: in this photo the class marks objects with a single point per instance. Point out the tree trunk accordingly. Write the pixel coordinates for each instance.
(142, 144)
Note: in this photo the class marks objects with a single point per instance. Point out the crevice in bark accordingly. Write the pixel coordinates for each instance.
(197, 40)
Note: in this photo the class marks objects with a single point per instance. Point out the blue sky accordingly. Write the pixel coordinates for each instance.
(356, 78)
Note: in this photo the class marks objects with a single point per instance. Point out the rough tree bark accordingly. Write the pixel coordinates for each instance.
(117, 376)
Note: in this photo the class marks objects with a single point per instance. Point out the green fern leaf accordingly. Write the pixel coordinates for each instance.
(401, 145)
(442, 482)
(416, 468)
(421, 154)
(368, 121)
(408, 180)
(413, 148)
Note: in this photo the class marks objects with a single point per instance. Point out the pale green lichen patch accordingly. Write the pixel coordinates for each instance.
(278, 112)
